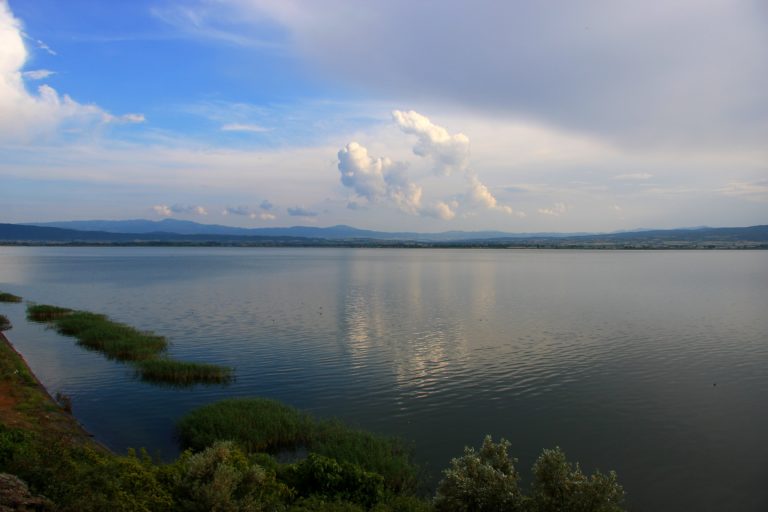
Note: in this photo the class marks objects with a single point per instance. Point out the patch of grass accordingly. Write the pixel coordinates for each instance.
(115, 340)
(5, 324)
(182, 373)
(45, 312)
(262, 425)
(256, 424)
(122, 342)
(9, 297)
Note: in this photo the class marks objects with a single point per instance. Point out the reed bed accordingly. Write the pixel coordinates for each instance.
(263, 425)
(9, 297)
(124, 343)
(182, 373)
(45, 312)
(115, 340)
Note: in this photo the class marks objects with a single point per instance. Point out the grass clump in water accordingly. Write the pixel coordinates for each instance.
(9, 297)
(256, 424)
(182, 373)
(45, 312)
(115, 340)
(262, 425)
(122, 342)
(5, 324)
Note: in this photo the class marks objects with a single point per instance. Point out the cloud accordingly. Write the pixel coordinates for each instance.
(236, 210)
(267, 216)
(25, 115)
(241, 127)
(38, 74)
(167, 211)
(752, 191)
(382, 180)
(298, 211)
(557, 210)
(163, 210)
(266, 205)
(128, 118)
(449, 152)
(440, 210)
(377, 179)
(637, 176)
(680, 73)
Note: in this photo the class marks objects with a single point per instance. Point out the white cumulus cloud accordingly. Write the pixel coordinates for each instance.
(449, 152)
(24, 114)
(377, 179)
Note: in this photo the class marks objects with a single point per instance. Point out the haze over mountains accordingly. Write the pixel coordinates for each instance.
(174, 232)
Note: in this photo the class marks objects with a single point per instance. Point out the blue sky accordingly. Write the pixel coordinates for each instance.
(429, 116)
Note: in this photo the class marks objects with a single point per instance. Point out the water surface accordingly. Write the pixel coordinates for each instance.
(654, 364)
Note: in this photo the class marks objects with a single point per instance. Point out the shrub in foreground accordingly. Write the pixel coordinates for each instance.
(487, 480)
(221, 478)
(262, 425)
(481, 481)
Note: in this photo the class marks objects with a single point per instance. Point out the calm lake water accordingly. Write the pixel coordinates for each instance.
(654, 364)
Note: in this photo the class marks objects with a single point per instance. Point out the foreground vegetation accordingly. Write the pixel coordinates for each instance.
(121, 342)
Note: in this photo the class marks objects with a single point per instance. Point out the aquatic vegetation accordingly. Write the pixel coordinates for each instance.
(262, 425)
(122, 342)
(45, 312)
(115, 340)
(5, 324)
(182, 373)
(9, 297)
(256, 424)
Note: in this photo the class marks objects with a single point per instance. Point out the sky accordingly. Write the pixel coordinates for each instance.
(520, 116)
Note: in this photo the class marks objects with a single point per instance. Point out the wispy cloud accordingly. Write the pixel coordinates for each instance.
(555, 211)
(299, 211)
(752, 191)
(38, 74)
(636, 176)
(241, 127)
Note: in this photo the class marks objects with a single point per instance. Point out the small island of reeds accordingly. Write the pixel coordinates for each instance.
(9, 297)
(144, 349)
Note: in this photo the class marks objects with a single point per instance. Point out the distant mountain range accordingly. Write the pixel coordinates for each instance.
(175, 232)
(340, 232)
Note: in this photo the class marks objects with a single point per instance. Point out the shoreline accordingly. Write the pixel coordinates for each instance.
(27, 404)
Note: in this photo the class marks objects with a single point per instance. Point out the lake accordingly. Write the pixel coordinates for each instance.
(652, 363)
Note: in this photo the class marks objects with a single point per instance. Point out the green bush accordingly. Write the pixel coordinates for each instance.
(221, 479)
(481, 481)
(559, 485)
(488, 481)
(80, 478)
(333, 480)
